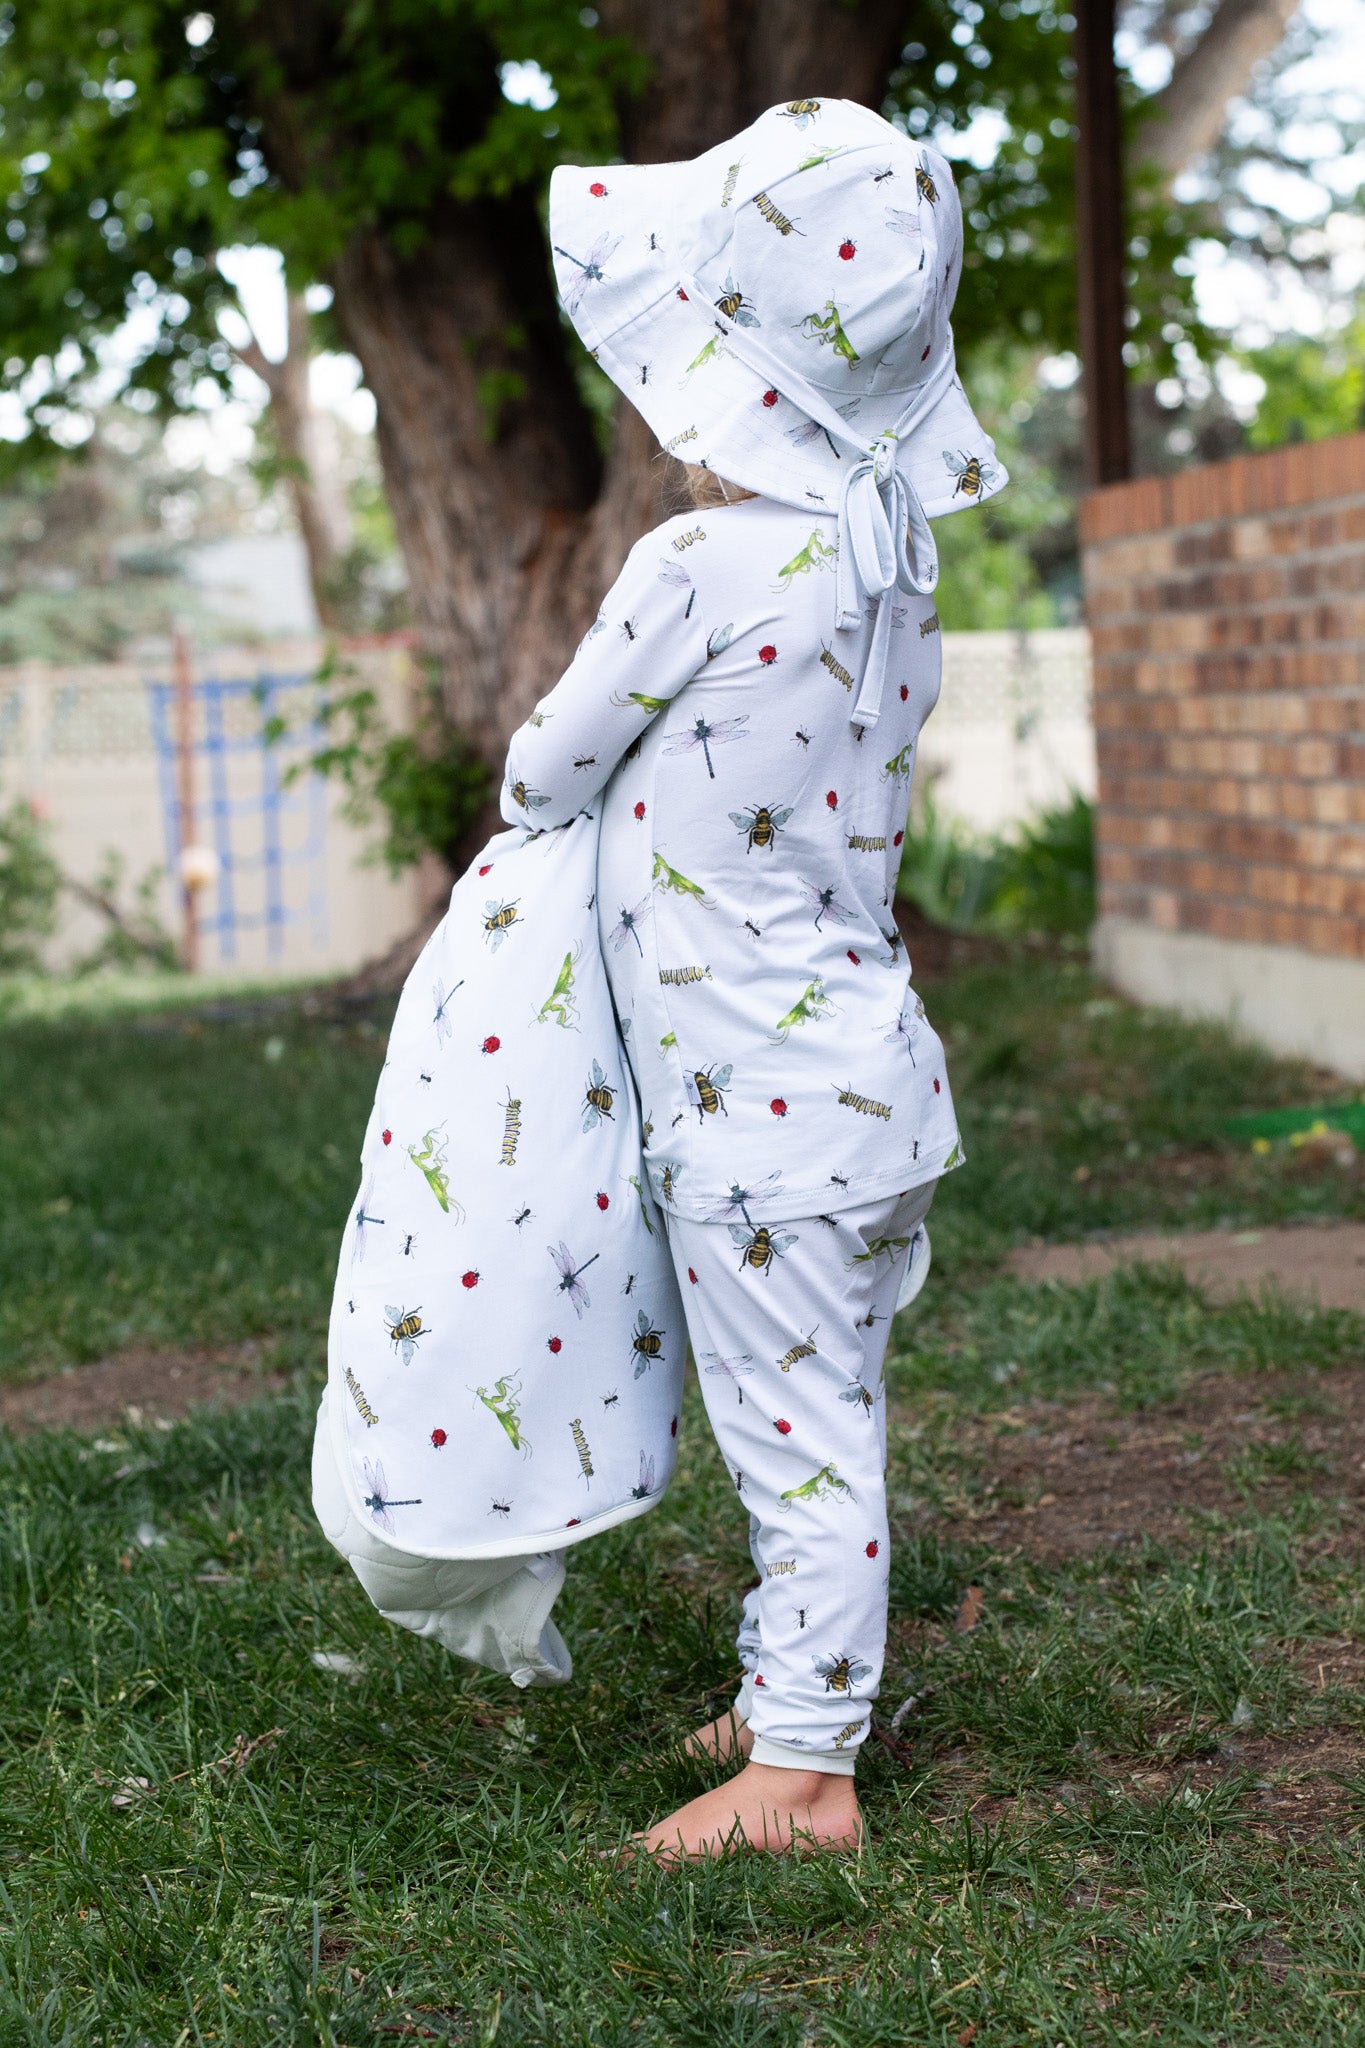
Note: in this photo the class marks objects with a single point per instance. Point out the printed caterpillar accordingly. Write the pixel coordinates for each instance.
(367, 1414)
(864, 1104)
(686, 540)
(836, 669)
(847, 1734)
(805, 1349)
(861, 843)
(728, 191)
(772, 216)
(929, 625)
(687, 434)
(581, 1446)
(679, 977)
(511, 1129)
(779, 1570)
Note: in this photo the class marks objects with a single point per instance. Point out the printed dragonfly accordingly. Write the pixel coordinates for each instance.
(735, 1369)
(738, 1197)
(706, 734)
(363, 1220)
(825, 903)
(378, 1499)
(646, 1486)
(570, 1282)
(627, 927)
(589, 272)
(443, 1002)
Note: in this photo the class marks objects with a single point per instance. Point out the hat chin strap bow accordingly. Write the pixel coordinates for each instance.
(885, 541)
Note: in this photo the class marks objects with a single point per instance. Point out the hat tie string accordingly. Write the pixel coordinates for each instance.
(885, 540)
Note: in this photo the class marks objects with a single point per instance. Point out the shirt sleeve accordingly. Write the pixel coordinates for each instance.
(647, 640)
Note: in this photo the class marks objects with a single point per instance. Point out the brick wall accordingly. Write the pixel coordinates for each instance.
(1227, 609)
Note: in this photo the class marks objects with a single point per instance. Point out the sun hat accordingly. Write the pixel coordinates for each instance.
(777, 309)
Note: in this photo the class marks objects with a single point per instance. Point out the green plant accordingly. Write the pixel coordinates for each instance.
(1039, 879)
(29, 882)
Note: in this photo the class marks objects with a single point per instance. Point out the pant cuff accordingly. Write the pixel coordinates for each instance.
(841, 1763)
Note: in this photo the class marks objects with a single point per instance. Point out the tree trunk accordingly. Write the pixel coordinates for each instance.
(307, 442)
(1188, 113)
(511, 521)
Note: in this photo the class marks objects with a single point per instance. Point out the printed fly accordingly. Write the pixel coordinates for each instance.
(589, 272)
(626, 927)
(705, 734)
(378, 1499)
(570, 1282)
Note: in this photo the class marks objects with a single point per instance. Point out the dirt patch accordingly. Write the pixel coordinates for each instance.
(1066, 1479)
(155, 1385)
(1327, 1261)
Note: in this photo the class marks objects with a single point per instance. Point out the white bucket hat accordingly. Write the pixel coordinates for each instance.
(777, 310)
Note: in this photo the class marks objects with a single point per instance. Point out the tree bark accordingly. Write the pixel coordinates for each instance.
(306, 437)
(1188, 113)
(510, 519)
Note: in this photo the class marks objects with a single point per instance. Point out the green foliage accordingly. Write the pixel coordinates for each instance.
(1040, 878)
(29, 882)
(428, 784)
(134, 936)
(1315, 387)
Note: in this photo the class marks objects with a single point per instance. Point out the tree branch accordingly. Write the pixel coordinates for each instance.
(1187, 115)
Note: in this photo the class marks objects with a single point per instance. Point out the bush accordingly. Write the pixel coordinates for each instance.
(1041, 879)
(29, 881)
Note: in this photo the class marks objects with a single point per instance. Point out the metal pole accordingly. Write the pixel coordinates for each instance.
(183, 678)
(1101, 253)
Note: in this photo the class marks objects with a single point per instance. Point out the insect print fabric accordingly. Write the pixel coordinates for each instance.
(479, 1324)
(750, 843)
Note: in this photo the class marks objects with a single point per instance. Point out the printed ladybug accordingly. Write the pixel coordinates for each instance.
(937, 1086)
(925, 357)
(387, 1136)
(873, 1547)
(598, 190)
(639, 810)
(470, 1279)
(555, 1344)
(898, 838)
(691, 1276)
(438, 1437)
(778, 1106)
(491, 1045)
(673, 1427)
(603, 1201)
(832, 799)
(854, 957)
(487, 868)
(847, 251)
(905, 691)
(767, 655)
(782, 1426)
(770, 398)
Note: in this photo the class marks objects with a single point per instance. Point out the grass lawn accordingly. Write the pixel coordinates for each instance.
(1127, 1805)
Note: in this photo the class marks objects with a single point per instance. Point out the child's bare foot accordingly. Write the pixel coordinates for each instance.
(763, 1807)
(721, 1740)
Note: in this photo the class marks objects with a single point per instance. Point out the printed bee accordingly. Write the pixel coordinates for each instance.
(969, 473)
(925, 185)
(526, 799)
(646, 1485)
(803, 112)
(706, 1090)
(859, 1394)
(841, 1674)
(760, 825)
(735, 306)
(597, 1099)
(666, 1178)
(405, 1327)
(760, 1247)
(498, 920)
(647, 1343)
(805, 1349)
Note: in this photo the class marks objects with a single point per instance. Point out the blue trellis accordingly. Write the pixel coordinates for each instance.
(270, 830)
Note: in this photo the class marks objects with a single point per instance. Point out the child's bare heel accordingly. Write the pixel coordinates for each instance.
(724, 1740)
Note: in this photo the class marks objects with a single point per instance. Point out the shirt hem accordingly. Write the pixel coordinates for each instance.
(791, 1203)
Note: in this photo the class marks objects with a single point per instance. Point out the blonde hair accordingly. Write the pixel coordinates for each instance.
(687, 486)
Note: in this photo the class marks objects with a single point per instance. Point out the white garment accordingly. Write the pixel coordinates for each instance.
(789, 1342)
(750, 845)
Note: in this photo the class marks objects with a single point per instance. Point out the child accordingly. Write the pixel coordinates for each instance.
(745, 712)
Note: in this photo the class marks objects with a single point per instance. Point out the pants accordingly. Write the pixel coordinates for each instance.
(789, 1334)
